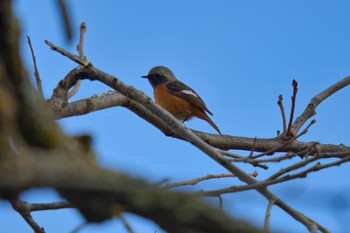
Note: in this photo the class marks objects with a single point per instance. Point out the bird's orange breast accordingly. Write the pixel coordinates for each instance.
(178, 107)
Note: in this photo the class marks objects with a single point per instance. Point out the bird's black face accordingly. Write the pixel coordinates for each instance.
(155, 79)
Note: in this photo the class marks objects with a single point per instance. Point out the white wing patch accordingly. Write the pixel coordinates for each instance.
(188, 92)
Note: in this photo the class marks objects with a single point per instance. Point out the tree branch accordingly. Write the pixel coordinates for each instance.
(73, 57)
(310, 110)
(23, 209)
(275, 180)
(280, 104)
(97, 102)
(134, 195)
(49, 206)
(267, 217)
(80, 49)
(291, 118)
(36, 71)
(199, 179)
(67, 22)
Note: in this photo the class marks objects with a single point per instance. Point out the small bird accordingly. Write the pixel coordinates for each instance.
(176, 97)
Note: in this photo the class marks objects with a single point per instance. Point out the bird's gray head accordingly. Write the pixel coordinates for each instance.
(159, 75)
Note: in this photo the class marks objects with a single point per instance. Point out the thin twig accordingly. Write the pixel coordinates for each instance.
(126, 224)
(232, 155)
(50, 206)
(291, 118)
(336, 163)
(253, 149)
(288, 155)
(36, 71)
(280, 104)
(199, 179)
(293, 167)
(243, 159)
(79, 227)
(22, 208)
(67, 22)
(80, 49)
(287, 142)
(278, 159)
(80, 46)
(318, 166)
(71, 56)
(269, 181)
(315, 229)
(267, 216)
(221, 202)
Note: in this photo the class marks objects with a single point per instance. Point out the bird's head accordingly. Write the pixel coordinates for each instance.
(159, 75)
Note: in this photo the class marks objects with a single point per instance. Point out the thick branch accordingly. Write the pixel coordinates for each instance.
(225, 142)
(92, 104)
(134, 195)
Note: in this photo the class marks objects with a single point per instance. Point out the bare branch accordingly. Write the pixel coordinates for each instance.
(71, 56)
(288, 155)
(286, 143)
(49, 206)
(252, 150)
(36, 71)
(44, 169)
(97, 102)
(267, 216)
(310, 110)
(221, 203)
(79, 227)
(80, 49)
(291, 118)
(274, 180)
(280, 104)
(244, 159)
(126, 224)
(67, 22)
(23, 209)
(293, 167)
(228, 142)
(199, 179)
(80, 46)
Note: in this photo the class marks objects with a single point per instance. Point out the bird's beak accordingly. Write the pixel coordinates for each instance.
(144, 76)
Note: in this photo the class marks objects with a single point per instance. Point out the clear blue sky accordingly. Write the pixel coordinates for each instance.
(239, 56)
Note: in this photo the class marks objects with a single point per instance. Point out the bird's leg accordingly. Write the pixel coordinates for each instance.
(186, 118)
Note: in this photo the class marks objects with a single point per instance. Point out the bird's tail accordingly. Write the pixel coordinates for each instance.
(205, 117)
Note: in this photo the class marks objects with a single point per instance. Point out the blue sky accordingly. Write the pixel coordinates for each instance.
(239, 56)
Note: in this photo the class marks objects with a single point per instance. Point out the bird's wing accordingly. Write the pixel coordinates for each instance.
(183, 91)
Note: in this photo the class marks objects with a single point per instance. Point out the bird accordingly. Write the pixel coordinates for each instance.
(176, 97)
